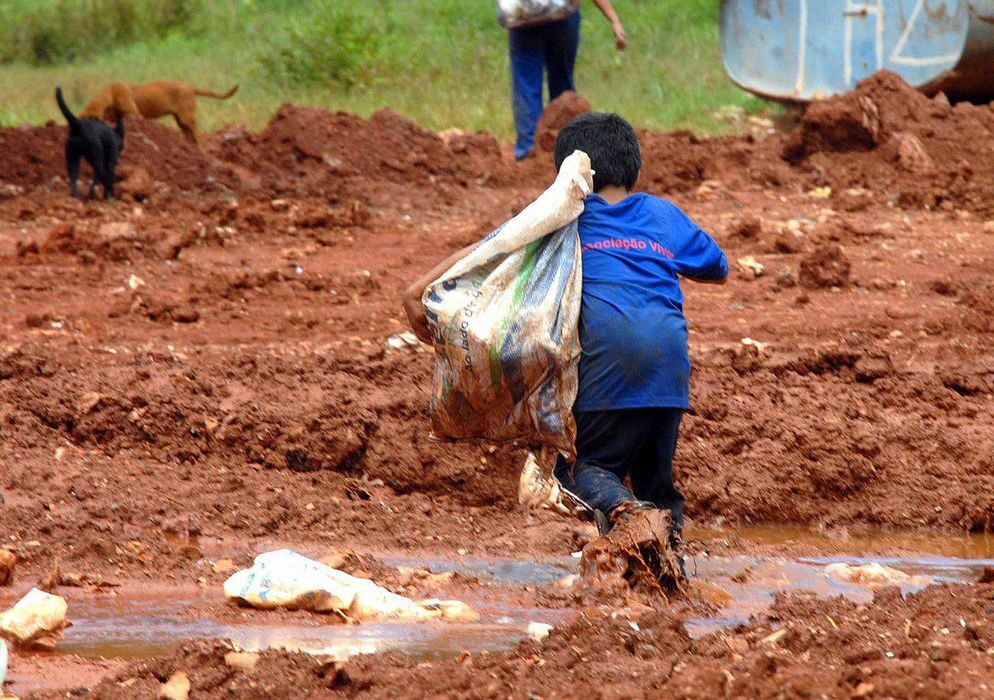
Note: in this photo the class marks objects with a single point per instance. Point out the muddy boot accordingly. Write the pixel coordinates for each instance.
(642, 549)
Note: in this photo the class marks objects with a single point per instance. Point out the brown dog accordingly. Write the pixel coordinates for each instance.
(152, 100)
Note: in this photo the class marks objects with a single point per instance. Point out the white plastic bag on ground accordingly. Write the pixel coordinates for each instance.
(505, 320)
(285, 579)
(873, 575)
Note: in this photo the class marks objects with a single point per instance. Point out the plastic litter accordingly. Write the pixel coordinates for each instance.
(538, 630)
(245, 661)
(751, 267)
(37, 620)
(514, 14)
(874, 575)
(176, 688)
(403, 341)
(285, 579)
(505, 320)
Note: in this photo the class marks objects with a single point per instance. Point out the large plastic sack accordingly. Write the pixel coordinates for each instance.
(515, 14)
(506, 325)
(285, 579)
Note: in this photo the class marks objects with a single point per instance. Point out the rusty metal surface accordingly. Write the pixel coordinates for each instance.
(798, 50)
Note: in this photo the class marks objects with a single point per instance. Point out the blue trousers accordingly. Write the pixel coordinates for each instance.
(550, 48)
(638, 443)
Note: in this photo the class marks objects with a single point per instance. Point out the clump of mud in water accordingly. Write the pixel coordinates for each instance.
(641, 555)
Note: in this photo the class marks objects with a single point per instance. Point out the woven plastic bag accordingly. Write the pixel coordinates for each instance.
(516, 14)
(505, 321)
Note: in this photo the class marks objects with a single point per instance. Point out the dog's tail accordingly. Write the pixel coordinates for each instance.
(119, 127)
(70, 117)
(217, 95)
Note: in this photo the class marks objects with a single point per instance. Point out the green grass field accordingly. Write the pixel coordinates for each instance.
(441, 62)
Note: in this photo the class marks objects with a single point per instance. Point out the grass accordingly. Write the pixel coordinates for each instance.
(443, 63)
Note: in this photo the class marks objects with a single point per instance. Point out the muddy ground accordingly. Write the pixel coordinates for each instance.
(200, 369)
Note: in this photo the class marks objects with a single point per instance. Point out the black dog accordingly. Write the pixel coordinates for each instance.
(97, 142)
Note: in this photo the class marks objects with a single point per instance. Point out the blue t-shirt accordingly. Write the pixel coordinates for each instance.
(632, 329)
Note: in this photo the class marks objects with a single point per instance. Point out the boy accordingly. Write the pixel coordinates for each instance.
(634, 369)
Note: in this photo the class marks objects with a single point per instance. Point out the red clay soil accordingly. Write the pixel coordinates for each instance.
(212, 359)
(934, 644)
(207, 356)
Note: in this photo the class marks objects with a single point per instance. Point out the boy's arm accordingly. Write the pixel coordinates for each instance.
(413, 307)
(699, 258)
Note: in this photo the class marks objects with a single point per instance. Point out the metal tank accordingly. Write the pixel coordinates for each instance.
(800, 50)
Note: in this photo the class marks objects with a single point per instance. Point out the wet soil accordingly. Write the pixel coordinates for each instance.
(205, 359)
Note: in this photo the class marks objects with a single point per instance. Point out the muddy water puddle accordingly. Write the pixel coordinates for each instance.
(134, 625)
(752, 582)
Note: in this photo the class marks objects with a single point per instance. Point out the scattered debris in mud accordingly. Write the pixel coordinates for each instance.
(933, 643)
(212, 359)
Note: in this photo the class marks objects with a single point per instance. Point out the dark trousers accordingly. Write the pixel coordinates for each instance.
(638, 443)
(549, 47)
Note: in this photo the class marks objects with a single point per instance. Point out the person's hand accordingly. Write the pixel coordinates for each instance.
(417, 319)
(620, 38)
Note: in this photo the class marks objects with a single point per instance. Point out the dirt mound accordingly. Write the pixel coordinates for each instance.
(679, 161)
(32, 155)
(557, 114)
(35, 155)
(889, 137)
(860, 120)
(312, 150)
(168, 157)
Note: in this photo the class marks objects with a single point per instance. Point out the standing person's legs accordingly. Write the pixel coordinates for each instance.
(652, 475)
(527, 52)
(562, 42)
(607, 445)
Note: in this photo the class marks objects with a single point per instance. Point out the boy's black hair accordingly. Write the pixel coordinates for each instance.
(611, 143)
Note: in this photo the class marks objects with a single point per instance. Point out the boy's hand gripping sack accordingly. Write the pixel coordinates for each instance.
(505, 320)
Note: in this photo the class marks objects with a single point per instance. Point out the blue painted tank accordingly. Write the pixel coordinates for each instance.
(799, 50)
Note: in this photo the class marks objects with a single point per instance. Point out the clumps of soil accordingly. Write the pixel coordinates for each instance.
(302, 151)
(884, 137)
(214, 674)
(35, 155)
(749, 228)
(557, 114)
(887, 136)
(825, 267)
(32, 155)
(640, 554)
(307, 150)
(935, 643)
(155, 308)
